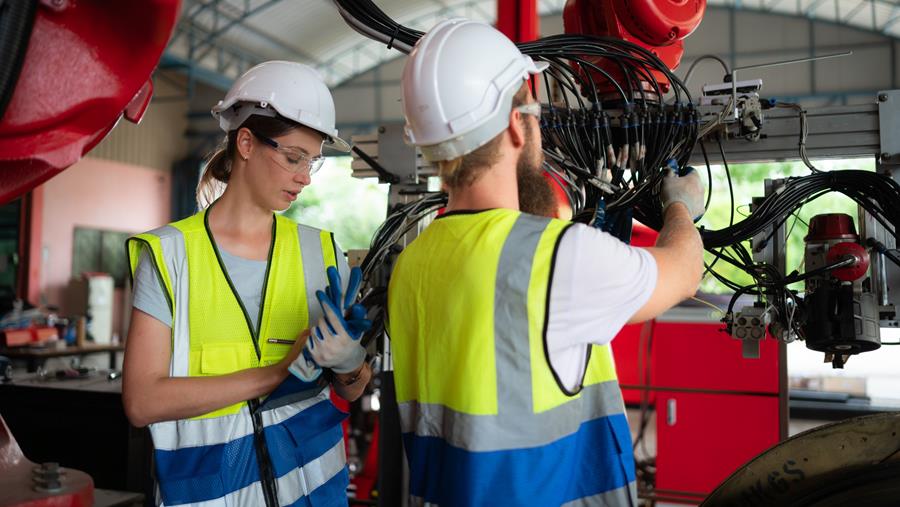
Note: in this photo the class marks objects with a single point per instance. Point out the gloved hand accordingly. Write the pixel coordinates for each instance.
(304, 368)
(686, 189)
(334, 342)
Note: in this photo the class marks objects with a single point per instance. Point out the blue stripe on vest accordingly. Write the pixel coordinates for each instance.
(304, 437)
(197, 474)
(595, 459)
(291, 390)
(331, 494)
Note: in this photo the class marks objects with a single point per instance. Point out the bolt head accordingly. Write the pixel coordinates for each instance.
(882, 97)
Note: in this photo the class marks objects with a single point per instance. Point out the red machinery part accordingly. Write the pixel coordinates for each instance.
(86, 64)
(831, 226)
(657, 25)
(17, 480)
(660, 22)
(854, 271)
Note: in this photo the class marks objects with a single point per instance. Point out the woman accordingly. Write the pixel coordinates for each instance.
(223, 301)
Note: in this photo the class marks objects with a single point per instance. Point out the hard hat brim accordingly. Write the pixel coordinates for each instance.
(336, 143)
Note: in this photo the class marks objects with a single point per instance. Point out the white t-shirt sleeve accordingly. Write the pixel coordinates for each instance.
(598, 283)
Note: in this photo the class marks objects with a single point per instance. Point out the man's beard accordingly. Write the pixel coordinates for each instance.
(535, 195)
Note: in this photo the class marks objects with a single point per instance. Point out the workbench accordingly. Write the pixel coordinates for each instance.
(81, 424)
(36, 356)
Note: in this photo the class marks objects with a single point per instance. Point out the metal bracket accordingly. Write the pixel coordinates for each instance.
(888, 126)
(396, 156)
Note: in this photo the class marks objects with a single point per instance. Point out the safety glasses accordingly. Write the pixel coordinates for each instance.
(294, 160)
(533, 109)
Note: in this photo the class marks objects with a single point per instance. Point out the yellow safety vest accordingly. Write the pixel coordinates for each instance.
(246, 453)
(484, 417)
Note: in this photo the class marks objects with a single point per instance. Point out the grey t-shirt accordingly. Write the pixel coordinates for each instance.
(247, 275)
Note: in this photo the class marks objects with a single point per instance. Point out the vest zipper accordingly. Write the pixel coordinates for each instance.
(266, 475)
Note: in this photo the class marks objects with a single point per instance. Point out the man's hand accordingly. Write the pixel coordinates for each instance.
(687, 189)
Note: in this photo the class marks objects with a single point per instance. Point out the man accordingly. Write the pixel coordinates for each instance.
(499, 320)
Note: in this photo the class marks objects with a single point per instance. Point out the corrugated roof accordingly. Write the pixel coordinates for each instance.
(246, 32)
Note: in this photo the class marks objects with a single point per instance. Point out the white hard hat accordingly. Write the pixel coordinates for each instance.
(292, 90)
(458, 85)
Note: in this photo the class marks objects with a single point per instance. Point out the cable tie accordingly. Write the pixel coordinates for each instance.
(390, 43)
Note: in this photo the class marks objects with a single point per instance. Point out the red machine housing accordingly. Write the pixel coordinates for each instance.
(20, 480)
(657, 25)
(854, 271)
(832, 237)
(87, 64)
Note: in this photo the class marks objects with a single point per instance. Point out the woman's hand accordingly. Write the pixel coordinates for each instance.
(295, 351)
(151, 395)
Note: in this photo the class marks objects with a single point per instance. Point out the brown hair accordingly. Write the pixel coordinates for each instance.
(463, 171)
(218, 166)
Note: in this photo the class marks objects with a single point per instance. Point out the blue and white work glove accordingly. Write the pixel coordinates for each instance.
(335, 341)
(686, 189)
(304, 368)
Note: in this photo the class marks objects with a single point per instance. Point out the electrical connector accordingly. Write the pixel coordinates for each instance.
(750, 323)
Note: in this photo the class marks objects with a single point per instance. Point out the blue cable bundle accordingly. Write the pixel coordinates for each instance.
(618, 222)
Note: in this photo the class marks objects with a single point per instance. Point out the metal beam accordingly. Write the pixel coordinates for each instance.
(811, 9)
(293, 52)
(892, 19)
(341, 68)
(217, 32)
(839, 131)
(194, 71)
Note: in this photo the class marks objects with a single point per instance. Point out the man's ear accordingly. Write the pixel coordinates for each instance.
(516, 129)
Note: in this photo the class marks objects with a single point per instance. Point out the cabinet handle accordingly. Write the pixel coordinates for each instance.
(671, 416)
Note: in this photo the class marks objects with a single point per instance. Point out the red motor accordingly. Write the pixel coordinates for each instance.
(841, 315)
(657, 25)
(833, 237)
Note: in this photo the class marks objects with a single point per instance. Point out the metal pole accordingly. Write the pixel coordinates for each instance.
(518, 19)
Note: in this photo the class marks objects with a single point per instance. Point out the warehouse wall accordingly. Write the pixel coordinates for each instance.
(124, 186)
(97, 194)
(159, 140)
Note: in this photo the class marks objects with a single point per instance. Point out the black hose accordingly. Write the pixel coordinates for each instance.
(16, 21)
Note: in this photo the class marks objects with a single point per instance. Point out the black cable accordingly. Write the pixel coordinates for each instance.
(16, 23)
(612, 104)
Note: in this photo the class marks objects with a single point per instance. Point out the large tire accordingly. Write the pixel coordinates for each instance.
(853, 462)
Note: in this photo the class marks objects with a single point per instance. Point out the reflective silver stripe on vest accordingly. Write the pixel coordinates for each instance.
(174, 254)
(300, 482)
(250, 495)
(516, 425)
(493, 433)
(173, 435)
(512, 348)
(626, 495)
(313, 269)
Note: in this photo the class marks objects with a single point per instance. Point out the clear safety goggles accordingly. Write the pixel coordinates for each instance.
(292, 159)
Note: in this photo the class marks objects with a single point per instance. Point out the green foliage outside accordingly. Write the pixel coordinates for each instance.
(351, 208)
(748, 183)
